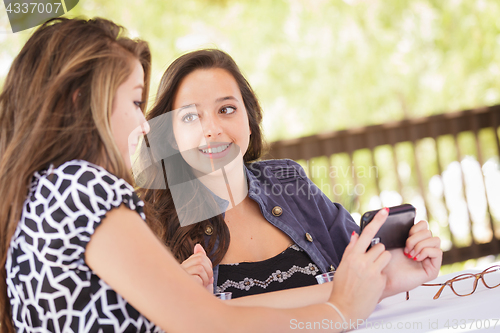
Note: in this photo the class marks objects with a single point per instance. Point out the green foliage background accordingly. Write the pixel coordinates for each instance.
(322, 65)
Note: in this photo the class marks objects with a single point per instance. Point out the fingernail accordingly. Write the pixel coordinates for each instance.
(415, 258)
(353, 233)
(387, 209)
(405, 251)
(412, 253)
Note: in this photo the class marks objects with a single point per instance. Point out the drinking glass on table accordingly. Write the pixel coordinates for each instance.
(224, 296)
(325, 277)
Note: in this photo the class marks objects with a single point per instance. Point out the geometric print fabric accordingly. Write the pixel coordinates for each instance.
(50, 287)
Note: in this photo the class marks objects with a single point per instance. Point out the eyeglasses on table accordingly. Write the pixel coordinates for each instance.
(466, 284)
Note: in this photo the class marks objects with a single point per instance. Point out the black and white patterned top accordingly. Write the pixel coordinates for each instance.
(291, 268)
(50, 287)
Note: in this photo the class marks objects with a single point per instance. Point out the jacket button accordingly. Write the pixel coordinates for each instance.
(309, 237)
(209, 230)
(332, 268)
(277, 211)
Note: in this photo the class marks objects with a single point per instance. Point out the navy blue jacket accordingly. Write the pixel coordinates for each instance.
(316, 224)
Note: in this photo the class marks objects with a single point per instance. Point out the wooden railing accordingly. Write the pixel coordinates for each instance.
(413, 131)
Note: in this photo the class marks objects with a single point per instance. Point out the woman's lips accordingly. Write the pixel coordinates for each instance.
(217, 154)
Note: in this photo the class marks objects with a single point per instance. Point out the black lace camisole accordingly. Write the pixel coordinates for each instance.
(291, 268)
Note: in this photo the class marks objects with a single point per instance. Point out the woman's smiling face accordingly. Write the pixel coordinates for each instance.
(210, 121)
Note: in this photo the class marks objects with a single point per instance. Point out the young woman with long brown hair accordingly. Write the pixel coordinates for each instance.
(75, 252)
(264, 224)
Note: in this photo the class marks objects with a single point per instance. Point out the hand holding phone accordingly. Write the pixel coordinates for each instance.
(395, 230)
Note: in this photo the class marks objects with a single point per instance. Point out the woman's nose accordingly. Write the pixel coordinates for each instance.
(211, 127)
(145, 126)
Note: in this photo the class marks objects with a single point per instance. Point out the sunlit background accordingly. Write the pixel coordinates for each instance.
(326, 65)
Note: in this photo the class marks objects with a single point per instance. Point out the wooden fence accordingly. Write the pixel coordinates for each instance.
(410, 131)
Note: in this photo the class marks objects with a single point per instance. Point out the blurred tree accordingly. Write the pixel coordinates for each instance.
(324, 65)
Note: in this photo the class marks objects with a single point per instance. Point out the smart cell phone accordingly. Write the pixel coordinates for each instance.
(395, 230)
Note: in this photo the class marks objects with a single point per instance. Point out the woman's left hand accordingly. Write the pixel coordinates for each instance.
(417, 263)
(199, 266)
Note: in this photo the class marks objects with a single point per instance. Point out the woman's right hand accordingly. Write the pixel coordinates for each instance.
(359, 282)
(199, 266)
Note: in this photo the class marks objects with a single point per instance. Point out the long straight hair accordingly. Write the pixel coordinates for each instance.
(55, 107)
(159, 205)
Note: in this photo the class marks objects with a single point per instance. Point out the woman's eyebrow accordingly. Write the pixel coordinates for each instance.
(185, 107)
(220, 99)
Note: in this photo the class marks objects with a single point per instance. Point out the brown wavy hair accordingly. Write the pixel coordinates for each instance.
(55, 107)
(161, 213)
